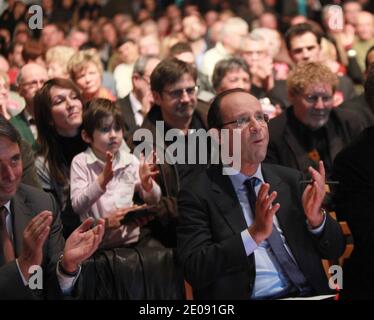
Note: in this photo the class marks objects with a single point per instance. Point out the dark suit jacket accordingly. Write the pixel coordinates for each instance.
(360, 106)
(354, 200)
(286, 148)
(21, 124)
(128, 115)
(170, 178)
(210, 245)
(27, 203)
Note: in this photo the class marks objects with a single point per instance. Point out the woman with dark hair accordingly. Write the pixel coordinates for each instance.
(58, 115)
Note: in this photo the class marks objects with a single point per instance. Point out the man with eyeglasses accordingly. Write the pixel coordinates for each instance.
(30, 79)
(137, 103)
(251, 231)
(311, 129)
(174, 89)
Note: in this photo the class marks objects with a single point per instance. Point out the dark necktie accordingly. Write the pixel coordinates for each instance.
(7, 251)
(288, 265)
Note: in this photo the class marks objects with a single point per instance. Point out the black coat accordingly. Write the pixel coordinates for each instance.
(287, 146)
(210, 244)
(27, 203)
(354, 200)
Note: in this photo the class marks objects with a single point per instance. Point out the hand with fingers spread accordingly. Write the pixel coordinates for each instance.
(147, 171)
(313, 196)
(265, 211)
(107, 174)
(82, 243)
(34, 237)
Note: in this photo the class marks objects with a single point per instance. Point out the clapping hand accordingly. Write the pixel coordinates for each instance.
(34, 237)
(107, 174)
(313, 196)
(82, 243)
(265, 211)
(147, 171)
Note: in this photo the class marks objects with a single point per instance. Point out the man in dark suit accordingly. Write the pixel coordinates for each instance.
(234, 247)
(137, 103)
(30, 79)
(174, 89)
(31, 233)
(311, 129)
(354, 199)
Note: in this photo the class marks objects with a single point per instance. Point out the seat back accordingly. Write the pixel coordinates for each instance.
(348, 248)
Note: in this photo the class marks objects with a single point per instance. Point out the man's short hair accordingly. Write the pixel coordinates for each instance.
(305, 74)
(214, 113)
(225, 66)
(180, 47)
(141, 63)
(8, 131)
(169, 71)
(298, 30)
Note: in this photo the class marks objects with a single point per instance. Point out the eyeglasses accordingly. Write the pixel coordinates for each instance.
(178, 93)
(313, 99)
(261, 118)
(33, 84)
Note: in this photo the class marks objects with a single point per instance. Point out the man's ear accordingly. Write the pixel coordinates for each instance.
(157, 97)
(86, 138)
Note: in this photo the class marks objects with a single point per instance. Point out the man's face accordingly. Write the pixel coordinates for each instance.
(254, 52)
(10, 169)
(141, 84)
(193, 28)
(177, 100)
(313, 106)
(76, 39)
(236, 78)
(33, 78)
(365, 26)
(304, 48)
(16, 58)
(254, 133)
(351, 10)
(128, 52)
(51, 36)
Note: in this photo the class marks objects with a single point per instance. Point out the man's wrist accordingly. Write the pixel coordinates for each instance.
(317, 222)
(70, 271)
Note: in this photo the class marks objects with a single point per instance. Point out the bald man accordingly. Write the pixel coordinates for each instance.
(30, 79)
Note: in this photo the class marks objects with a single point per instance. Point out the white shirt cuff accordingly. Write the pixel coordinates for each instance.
(21, 274)
(249, 244)
(317, 231)
(66, 283)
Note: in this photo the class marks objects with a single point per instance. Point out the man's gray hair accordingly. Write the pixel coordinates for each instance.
(141, 63)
